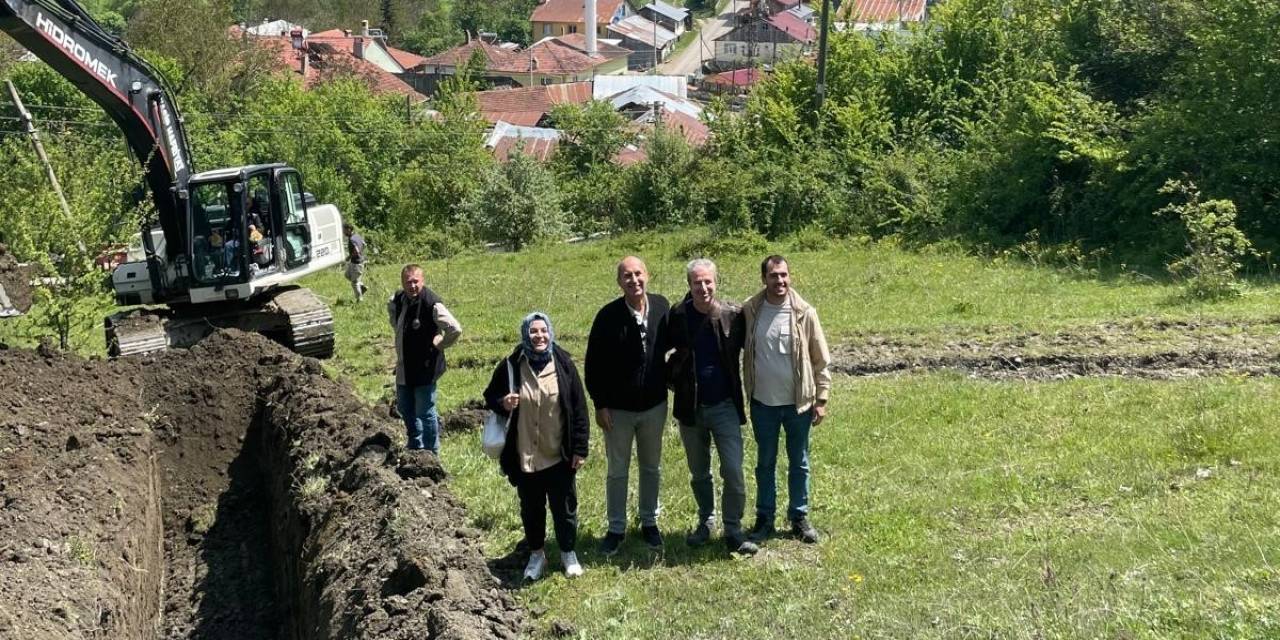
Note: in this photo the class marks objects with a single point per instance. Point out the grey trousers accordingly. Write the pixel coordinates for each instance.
(645, 429)
(717, 423)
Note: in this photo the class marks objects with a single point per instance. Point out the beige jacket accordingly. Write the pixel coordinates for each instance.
(810, 358)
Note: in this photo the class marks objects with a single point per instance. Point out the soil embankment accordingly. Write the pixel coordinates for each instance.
(16, 280)
(228, 491)
(1154, 349)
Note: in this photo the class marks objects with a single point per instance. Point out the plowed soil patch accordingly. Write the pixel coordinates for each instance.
(1143, 349)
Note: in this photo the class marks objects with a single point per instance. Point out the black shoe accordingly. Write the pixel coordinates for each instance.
(804, 530)
(653, 537)
(763, 530)
(699, 536)
(611, 543)
(738, 544)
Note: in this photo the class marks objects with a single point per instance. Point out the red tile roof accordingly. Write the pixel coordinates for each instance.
(528, 105)
(540, 148)
(736, 78)
(570, 11)
(407, 59)
(326, 61)
(794, 27)
(462, 53)
(885, 11)
(695, 131)
(551, 56)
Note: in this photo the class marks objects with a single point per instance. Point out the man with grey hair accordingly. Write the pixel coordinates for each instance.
(626, 377)
(707, 334)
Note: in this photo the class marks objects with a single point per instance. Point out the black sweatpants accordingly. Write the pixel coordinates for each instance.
(555, 486)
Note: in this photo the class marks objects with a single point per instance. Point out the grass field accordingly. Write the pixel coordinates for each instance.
(951, 507)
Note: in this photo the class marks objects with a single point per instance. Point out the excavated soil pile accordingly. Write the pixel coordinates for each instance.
(16, 281)
(229, 491)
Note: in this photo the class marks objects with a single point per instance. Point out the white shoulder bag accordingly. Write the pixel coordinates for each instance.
(494, 437)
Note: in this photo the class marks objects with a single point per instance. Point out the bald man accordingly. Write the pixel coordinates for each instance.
(626, 378)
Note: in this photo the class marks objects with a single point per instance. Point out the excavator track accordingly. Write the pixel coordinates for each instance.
(293, 317)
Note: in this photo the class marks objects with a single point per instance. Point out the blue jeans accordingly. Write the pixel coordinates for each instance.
(716, 423)
(766, 422)
(418, 408)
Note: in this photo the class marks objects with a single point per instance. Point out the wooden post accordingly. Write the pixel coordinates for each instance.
(44, 158)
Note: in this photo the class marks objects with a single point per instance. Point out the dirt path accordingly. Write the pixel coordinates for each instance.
(688, 60)
(1154, 349)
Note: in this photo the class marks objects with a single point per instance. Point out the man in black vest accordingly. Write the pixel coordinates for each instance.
(424, 328)
(626, 377)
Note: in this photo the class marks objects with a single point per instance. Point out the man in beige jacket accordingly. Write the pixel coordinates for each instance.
(786, 376)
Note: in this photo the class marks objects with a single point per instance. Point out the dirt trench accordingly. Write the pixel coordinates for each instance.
(1144, 348)
(228, 491)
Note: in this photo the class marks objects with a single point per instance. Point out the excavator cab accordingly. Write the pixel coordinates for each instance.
(252, 225)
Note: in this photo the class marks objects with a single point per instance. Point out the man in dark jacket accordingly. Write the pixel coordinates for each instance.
(626, 377)
(707, 336)
(424, 328)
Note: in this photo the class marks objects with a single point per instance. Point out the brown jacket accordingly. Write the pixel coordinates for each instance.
(810, 358)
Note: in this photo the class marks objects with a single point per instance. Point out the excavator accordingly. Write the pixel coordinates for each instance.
(225, 245)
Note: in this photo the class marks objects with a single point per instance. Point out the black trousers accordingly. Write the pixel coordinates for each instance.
(554, 486)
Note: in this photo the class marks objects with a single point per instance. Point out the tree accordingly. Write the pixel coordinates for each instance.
(517, 204)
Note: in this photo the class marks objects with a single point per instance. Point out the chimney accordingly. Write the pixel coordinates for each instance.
(364, 28)
(589, 17)
(357, 48)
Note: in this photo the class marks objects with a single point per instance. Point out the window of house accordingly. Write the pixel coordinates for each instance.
(573, 28)
(546, 29)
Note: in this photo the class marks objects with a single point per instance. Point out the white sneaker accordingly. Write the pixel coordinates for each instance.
(537, 563)
(572, 568)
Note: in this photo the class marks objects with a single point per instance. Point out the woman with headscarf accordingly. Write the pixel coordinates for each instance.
(546, 439)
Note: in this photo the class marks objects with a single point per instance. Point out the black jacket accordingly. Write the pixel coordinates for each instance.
(423, 363)
(622, 371)
(730, 328)
(573, 409)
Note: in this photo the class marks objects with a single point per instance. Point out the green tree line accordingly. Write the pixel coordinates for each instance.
(997, 124)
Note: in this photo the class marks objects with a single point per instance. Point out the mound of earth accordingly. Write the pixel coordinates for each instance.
(228, 491)
(16, 281)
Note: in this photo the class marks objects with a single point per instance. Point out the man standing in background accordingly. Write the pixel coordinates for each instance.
(626, 377)
(785, 372)
(424, 328)
(355, 261)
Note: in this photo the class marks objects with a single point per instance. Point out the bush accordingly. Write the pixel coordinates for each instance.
(517, 204)
(1215, 246)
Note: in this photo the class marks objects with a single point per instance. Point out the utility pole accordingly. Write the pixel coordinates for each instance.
(44, 158)
(821, 91)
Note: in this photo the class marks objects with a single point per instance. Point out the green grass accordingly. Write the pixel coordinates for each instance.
(858, 288)
(951, 507)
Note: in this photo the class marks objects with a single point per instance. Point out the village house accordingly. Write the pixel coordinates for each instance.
(677, 20)
(320, 60)
(564, 17)
(649, 43)
(765, 40)
(878, 16)
(549, 61)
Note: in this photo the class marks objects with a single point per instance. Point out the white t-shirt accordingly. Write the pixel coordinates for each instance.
(775, 383)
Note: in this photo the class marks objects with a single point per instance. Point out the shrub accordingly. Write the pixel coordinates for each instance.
(517, 204)
(1215, 246)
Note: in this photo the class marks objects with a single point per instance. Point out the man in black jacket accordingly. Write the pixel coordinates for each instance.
(626, 377)
(707, 335)
(424, 328)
